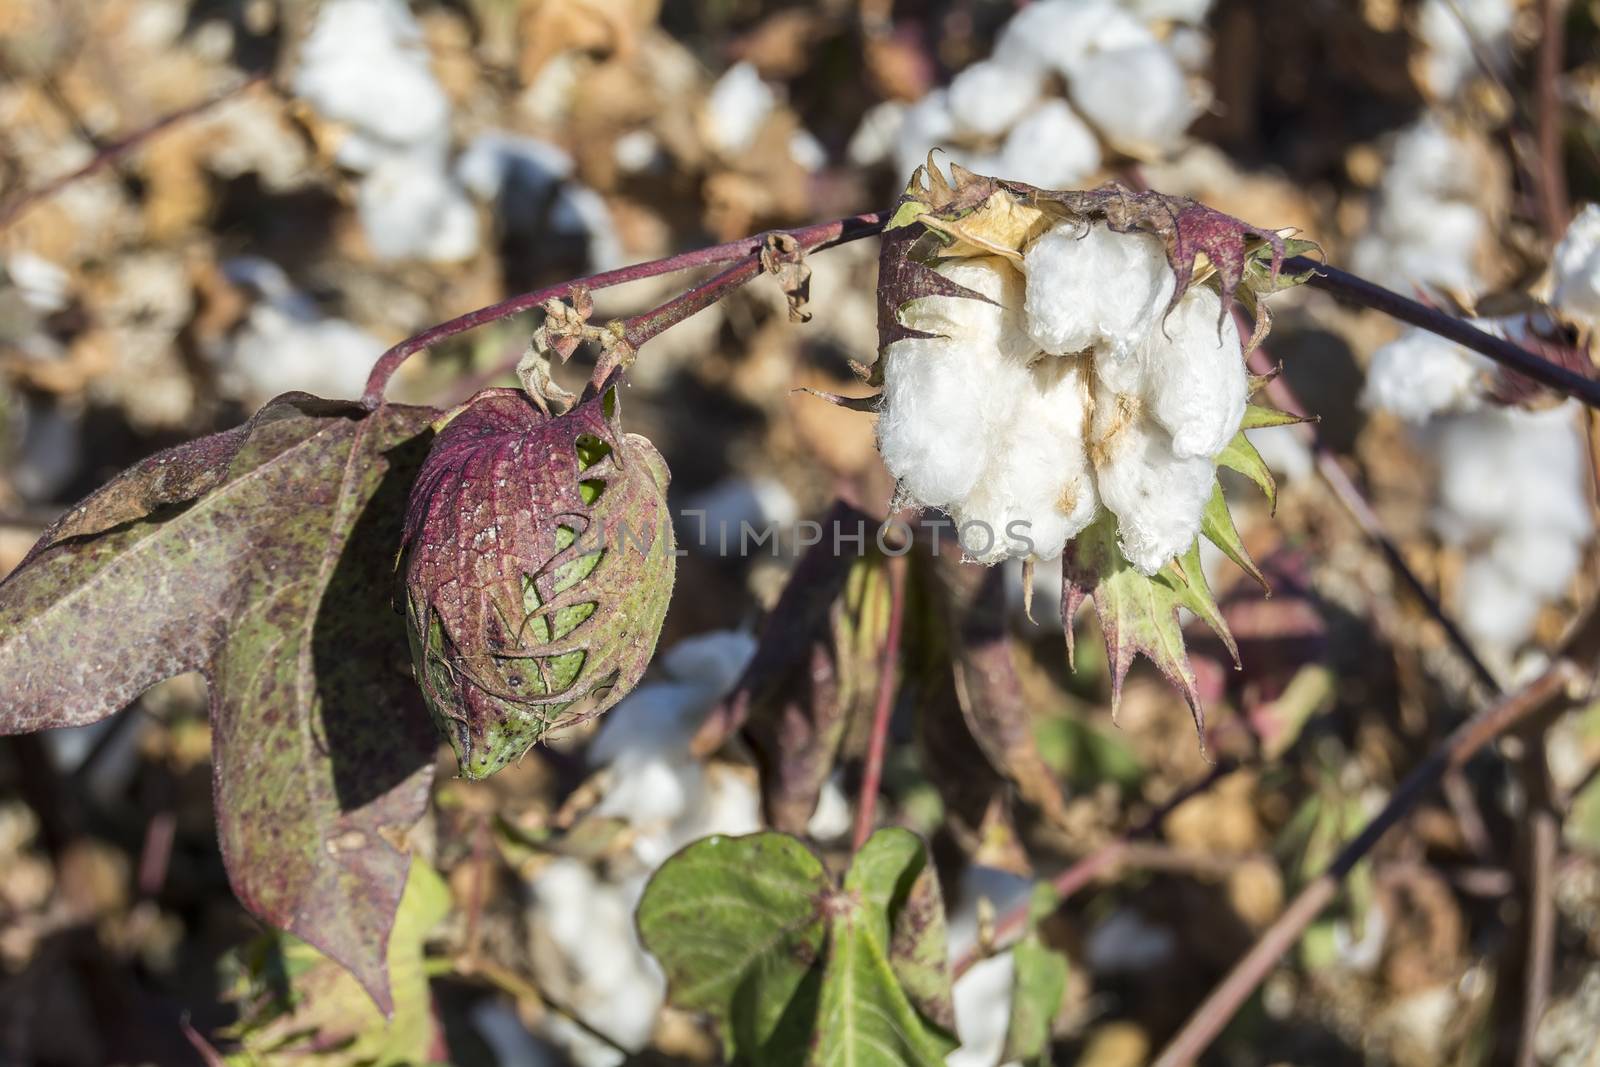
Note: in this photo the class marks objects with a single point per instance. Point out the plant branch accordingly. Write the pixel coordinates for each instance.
(1227, 998)
(1367, 294)
(641, 328)
(872, 773)
(111, 153)
(812, 238)
(1096, 864)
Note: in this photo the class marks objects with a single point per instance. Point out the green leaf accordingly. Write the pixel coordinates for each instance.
(296, 1003)
(1039, 980)
(1139, 614)
(1216, 526)
(1259, 417)
(263, 557)
(798, 971)
(1240, 455)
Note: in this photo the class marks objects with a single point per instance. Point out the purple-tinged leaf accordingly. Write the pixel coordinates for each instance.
(263, 557)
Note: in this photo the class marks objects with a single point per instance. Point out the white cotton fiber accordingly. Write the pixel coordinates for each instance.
(1156, 495)
(1191, 11)
(285, 343)
(1198, 385)
(410, 209)
(737, 108)
(926, 125)
(874, 140)
(982, 1001)
(364, 64)
(994, 323)
(1506, 467)
(1420, 374)
(1495, 610)
(1541, 561)
(989, 97)
(1136, 97)
(931, 429)
(1058, 34)
(1458, 36)
(1577, 269)
(714, 660)
(1051, 147)
(1095, 288)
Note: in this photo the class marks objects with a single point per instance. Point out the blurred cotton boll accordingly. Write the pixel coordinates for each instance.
(1577, 269)
(1420, 374)
(1057, 35)
(982, 995)
(1051, 147)
(988, 97)
(410, 209)
(737, 108)
(1459, 37)
(364, 64)
(1136, 97)
(286, 344)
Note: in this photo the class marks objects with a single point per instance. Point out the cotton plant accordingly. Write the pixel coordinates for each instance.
(1131, 73)
(1059, 379)
(1458, 38)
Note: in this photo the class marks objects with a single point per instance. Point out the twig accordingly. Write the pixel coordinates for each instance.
(640, 328)
(811, 238)
(1366, 294)
(1552, 180)
(872, 773)
(1225, 1000)
(116, 150)
(1095, 865)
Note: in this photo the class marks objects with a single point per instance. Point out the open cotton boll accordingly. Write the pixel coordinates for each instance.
(410, 209)
(1577, 269)
(613, 985)
(1496, 610)
(1057, 34)
(737, 107)
(1095, 288)
(1136, 97)
(1541, 561)
(982, 1001)
(1191, 11)
(989, 97)
(284, 345)
(364, 63)
(1051, 147)
(1420, 374)
(1458, 36)
(875, 138)
(996, 322)
(1156, 495)
(1198, 383)
(1504, 468)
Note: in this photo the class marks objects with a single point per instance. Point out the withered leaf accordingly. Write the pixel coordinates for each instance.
(264, 558)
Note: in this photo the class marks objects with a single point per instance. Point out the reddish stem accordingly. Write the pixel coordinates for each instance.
(872, 773)
(116, 150)
(1227, 998)
(820, 235)
(1552, 182)
(1367, 294)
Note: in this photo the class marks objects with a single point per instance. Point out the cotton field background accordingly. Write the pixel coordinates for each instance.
(208, 203)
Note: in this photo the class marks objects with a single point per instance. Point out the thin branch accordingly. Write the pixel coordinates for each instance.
(1366, 294)
(111, 153)
(812, 238)
(1552, 178)
(641, 328)
(1227, 998)
(877, 746)
(1097, 864)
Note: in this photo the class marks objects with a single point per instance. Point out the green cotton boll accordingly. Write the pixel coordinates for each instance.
(539, 563)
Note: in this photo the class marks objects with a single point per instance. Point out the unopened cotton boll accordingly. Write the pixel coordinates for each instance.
(1051, 147)
(364, 64)
(1576, 264)
(1136, 97)
(1420, 374)
(1096, 288)
(1198, 385)
(989, 97)
(737, 108)
(1157, 496)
